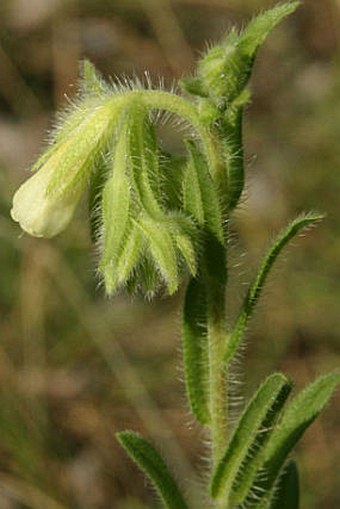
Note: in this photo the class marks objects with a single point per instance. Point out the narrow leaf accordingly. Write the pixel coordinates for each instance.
(287, 493)
(260, 27)
(152, 464)
(225, 70)
(256, 287)
(298, 416)
(195, 350)
(251, 432)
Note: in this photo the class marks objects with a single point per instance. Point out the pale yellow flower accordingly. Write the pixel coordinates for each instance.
(45, 203)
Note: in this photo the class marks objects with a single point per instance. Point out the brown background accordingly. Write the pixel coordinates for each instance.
(76, 367)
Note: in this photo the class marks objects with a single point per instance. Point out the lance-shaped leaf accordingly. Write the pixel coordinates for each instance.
(226, 68)
(200, 195)
(287, 492)
(153, 465)
(250, 435)
(297, 417)
(256, 287)
(260, 27)
(195, 352)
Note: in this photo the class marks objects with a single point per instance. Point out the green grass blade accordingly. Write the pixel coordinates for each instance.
(287, 493)
(195, 350)
(298, 416)
(251, 432)
(152, 464)
(256, 287)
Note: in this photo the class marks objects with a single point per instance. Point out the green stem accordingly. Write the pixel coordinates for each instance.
(155, 99)
(217, 373)
(167, 101)
(215, 276)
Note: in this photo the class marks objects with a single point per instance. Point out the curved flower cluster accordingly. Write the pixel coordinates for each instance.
(145, 241)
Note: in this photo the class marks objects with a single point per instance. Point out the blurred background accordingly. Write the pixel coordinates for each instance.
(76, 367)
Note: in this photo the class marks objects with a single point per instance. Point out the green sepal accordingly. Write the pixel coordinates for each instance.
(96, 184)
(154, 467)
(296, 418)
(287, 492)
(193, 86)
(116, 204)
(143, 154)
(130, 254)
(195, 350)
(91, 80)
(231, 127)
(256, 287)
(200, 196)
(238, 465)
(161, 247)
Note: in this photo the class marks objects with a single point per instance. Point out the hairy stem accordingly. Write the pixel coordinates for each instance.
(217, 374)
(215, 275)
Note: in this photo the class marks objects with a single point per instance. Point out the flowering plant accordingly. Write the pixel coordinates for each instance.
(159, 221)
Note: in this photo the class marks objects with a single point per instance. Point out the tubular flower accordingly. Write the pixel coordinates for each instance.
(45, 203)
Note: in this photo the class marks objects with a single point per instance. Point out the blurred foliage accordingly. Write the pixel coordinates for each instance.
(76, 367)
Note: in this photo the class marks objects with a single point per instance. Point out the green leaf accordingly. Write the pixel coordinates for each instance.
(260, 27)
(152, 464)
(200, 195)
(297, 417)
(256, 287)
(195, 353)
(287, 493)
(253, 429)
(226, 68)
